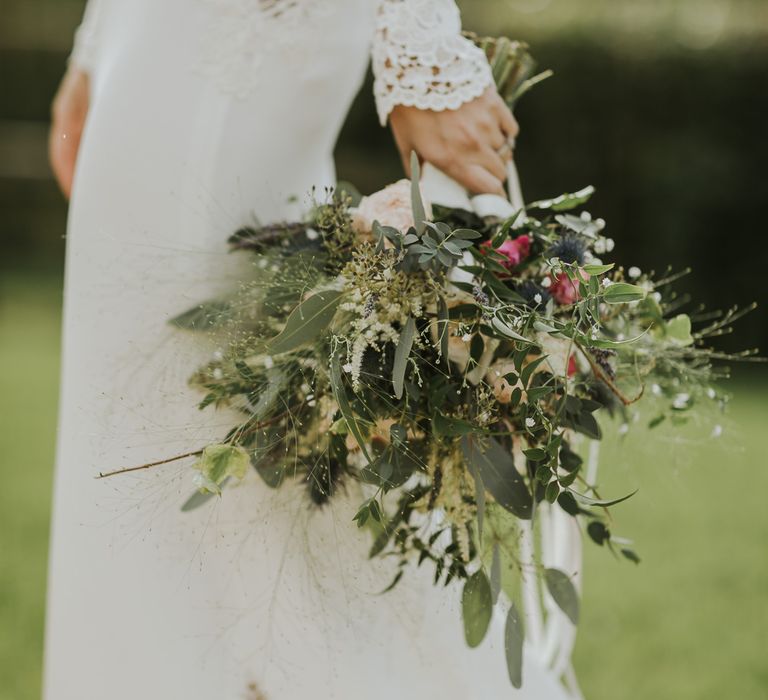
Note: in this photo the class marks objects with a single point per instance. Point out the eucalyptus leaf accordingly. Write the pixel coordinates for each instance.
(340, 394)
(202, 317)
(563, 592)
(446, 426)
(476, 608)
(442, 326)
(498, 473)
(269, 396)
(419, 213)
(495, 578)
(306, 322)
(402, 353)
(514, 636)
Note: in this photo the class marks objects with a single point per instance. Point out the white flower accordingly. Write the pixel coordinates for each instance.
(218, 355)
(529, 422)
(717, 431)
(556, 350)
(537, 298)
(623, 429)
(348, 368)
(606, 282)
(655, 389)
(466, 337)
(711, 393)
(656, 297)
(600, 223)
(390, 207)
(312, 235)
(586, 216)
(546, 282)
(217, 373)
(269, 363)
(681, 401)
(634, 272)
(609, 244)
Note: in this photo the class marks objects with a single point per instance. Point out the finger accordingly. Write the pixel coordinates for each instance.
(507, 121)
(492, 161)
(63, 154)
(497, 138)
(404, 151)
(477, 179)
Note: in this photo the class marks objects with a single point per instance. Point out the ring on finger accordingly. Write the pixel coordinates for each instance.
(506, 150)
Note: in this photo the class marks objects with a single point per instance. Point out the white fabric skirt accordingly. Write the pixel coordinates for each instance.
(256, 595)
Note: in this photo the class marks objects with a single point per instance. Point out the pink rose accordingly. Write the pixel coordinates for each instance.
(514, 250)
(390, 207)
(565, 291)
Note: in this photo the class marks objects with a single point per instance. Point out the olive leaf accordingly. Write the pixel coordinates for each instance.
(622, 292)
(602, 503)
(597, 269)
(565, 201)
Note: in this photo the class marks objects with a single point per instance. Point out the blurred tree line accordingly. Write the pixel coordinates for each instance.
(673, 137)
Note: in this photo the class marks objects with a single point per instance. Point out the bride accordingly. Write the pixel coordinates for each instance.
(177, 122)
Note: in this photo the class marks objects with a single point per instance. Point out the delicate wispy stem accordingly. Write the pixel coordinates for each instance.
(149, 465)
(603, 377)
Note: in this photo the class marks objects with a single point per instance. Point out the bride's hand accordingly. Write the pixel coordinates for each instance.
(68, 112)
(470, 144)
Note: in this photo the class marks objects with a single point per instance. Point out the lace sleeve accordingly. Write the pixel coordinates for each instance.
(85, 45)
(420, 58)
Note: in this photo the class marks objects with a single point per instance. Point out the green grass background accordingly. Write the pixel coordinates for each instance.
(689, 623)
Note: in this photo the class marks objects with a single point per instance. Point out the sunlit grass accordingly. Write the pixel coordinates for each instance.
(689, 623)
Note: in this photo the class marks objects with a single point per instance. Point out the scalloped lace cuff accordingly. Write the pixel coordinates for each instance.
(420, 58)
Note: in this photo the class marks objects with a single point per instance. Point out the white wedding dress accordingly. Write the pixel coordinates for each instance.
(204, 115)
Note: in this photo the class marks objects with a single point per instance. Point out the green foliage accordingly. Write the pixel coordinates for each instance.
(476, 608)
(220, 462)
(514, 638)
(563, 592)
(306, 321)
(495, 469)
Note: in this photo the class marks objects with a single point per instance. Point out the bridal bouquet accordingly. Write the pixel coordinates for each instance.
(448, 363)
